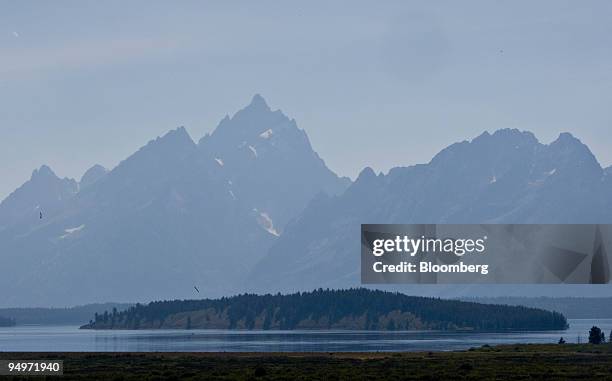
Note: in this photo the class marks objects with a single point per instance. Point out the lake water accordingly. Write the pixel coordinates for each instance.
(69, 338)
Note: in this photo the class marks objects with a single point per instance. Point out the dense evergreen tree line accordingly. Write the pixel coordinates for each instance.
(335, 305)
(6, 322)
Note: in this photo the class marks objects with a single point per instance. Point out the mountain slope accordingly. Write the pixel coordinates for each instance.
(506, 177)
(269, 162)
(92, 175)
(157, 224)
(166, 219)
(44, 192)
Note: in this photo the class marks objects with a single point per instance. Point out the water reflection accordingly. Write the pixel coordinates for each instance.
(48, 338)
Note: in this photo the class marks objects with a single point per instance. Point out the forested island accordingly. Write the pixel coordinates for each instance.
(359, 309)
(6, 322)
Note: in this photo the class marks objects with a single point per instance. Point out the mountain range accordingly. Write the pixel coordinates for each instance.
(172, 216)
(252, 207)
(504, 177)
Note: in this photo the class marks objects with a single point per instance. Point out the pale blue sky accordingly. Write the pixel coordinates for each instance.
(376, 83)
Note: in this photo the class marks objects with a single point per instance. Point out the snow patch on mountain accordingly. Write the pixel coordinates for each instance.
(266, 222)
(266, 134)
(70, 231)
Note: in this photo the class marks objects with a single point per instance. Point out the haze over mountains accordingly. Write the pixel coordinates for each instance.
(506, 177)
(252, 207)
(44, 188)
(173, 215)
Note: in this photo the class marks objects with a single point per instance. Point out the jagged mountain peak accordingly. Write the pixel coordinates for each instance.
(43, 172)
(492, 155)
(510, 137)
(568, 142)
(178, 135)
(45, 176)
(571, 152)
(258, 102)
(366, 181)
(515, 133)
(173, 142)
(96, 168)
(502, 144)
(45, 191)
(567, 137)
(163, 155)
(503, 177)
(366, 174)
(257, 106)
(269, 161)
(92, 175)
(248, 123)
(172, 209)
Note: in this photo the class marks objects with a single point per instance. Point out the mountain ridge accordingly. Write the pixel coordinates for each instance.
(169, 211)
(504, 177)
(254, 199)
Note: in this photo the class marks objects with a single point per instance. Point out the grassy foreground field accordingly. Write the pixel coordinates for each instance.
(515, 362)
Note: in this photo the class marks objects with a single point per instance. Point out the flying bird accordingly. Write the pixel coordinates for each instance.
(15, 34)
(196, 289)
(40, 215)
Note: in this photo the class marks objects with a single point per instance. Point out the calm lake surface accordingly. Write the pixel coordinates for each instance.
(70, 338)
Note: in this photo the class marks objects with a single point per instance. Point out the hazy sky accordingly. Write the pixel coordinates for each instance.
(376, 83)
